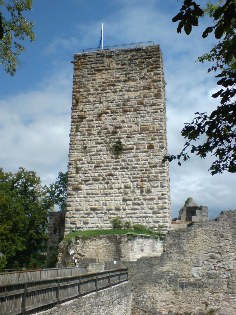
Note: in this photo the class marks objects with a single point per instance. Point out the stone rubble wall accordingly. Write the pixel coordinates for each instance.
(56, 228)
(108, 248)
(118, 140)
(113, 301)
(192, 212)
(195, 274)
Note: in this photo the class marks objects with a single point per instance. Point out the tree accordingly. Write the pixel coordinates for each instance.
(214, 133)
(14, 28)
(23, 220)
(58, 191)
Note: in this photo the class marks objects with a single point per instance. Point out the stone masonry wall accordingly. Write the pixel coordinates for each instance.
(196, 274)
(118, 140)
(113, 301)
(109, 248)
(56, 227)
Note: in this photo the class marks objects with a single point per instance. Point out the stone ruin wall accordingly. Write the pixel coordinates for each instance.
(56, 227)
(118, 140)
(191, 212)
(196, 274)
(108, 248)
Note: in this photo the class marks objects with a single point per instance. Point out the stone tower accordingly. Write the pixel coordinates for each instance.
(118, 140)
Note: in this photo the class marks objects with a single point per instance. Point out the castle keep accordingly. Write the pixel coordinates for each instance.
(118, 140)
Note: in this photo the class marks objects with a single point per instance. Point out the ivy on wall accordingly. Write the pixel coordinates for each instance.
(117, 147)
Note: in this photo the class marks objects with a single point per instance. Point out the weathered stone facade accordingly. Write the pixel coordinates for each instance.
(56, 227)
(192, 212)
(196, 274)
(118, 140)
(108, 248)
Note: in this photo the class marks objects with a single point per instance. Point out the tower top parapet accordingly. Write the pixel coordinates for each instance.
(121, 46)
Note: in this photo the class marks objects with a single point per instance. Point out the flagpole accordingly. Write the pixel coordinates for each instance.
(102, 35)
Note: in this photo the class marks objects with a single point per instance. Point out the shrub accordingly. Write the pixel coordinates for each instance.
(117, 148)
(127, 225)
(139, 227)
(3, 263)
(117, 223)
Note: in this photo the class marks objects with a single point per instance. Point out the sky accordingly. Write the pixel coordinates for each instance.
(35, 104)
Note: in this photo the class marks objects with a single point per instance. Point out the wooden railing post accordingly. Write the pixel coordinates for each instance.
(58, 290)
(109, 278)
(23, 302)
(96, 282)
(79, 283)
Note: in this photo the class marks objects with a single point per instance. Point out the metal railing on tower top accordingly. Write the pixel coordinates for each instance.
(122, 46)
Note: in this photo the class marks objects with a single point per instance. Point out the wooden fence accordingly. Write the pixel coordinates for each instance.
(41, 274)
(31, 297)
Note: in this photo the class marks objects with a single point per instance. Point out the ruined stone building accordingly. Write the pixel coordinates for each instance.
(191, 212)
(118, 140)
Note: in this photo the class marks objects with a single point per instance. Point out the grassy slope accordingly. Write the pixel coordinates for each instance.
(96, 233)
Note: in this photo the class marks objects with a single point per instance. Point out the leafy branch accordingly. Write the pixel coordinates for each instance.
(215, 131)
(14, 28)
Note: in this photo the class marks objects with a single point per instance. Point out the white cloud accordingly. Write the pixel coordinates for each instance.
(62, 43)
(35, 127)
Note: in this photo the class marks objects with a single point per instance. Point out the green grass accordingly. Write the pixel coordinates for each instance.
(130, 232)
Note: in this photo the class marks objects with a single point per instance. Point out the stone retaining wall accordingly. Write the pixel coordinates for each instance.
(109, 248)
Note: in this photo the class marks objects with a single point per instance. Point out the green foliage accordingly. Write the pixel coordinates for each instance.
(23, 220)
(188, 16)
(52, 259)
(117, 223)
(117, 148)
(96, 233)
(14, 28)
(139, 227)
(57, 192)
(127, 225)
(214, 133)
(3, 263)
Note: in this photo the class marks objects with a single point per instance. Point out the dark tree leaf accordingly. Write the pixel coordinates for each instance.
(1, 27)
(230, 12)
(179, 28)
(177, 17)
(219, 31)
(207, 31)
(188, 28)
(215, 95)
(188, 3)
(218, 13)
(194, 21)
